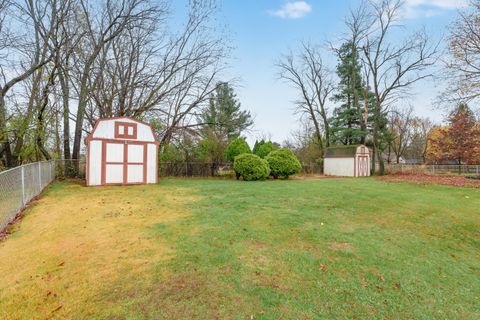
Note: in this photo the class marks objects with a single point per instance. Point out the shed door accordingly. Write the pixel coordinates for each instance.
(362, 166)
(136, 163)
(124, 163)
(114, 153)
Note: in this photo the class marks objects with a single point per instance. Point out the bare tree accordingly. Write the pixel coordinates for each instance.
(464, 65)
(304, 143)
(400, 126)
(114, 58)
(147, 71)
(307, 73)
(420, 131)
(393, 68)
(103, 23)
(32, 16)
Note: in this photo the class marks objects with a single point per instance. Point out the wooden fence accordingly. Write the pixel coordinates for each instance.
(435, 169)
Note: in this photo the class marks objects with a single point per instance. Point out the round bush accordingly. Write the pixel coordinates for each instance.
(235, 148)
(251, 167)
(263, 148)
(283, 163)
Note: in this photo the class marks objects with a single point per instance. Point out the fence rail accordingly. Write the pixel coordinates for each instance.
(434, 169)
(20, 185)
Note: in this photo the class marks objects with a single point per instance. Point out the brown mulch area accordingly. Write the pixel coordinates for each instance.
(456, 181)
(5, 233)
(19, 216)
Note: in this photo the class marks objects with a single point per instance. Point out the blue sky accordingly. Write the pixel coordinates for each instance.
(261, 31)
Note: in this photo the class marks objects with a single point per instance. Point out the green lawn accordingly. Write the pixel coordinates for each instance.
(296, 249)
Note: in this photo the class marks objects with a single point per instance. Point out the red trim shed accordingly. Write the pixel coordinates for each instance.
(121, 151)
(348, 161)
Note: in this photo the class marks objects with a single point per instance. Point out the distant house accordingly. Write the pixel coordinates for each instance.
(413, 161)
(347, 161)
(449, 162)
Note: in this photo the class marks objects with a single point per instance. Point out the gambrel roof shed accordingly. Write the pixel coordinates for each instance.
(121, 150)
(349, 161)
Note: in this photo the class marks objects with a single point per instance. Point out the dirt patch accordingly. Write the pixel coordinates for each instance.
(311, 177)
(341, 246)
(348, 227)
(424, 179)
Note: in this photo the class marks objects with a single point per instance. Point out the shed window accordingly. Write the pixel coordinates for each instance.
(125, 130)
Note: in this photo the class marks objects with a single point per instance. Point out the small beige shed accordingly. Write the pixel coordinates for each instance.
(347, 161)
(121, 151)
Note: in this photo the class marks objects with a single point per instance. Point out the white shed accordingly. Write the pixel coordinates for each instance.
(121, 151)
(347, 161)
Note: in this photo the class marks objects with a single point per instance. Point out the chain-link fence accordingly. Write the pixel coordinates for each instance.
(20, 185)
(70, 169)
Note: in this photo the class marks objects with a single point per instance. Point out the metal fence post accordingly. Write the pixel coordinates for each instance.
(52, 162)
(23, 186)
(40, 175)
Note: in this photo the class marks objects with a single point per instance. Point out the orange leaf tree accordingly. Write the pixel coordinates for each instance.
(459, 141)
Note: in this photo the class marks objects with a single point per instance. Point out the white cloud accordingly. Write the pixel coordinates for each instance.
(428, 8)
(292, 10)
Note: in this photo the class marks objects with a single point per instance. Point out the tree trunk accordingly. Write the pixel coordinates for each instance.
(43, 106)
(66, 113)
(373, 161)
(82, 105)
(4, 142)
(319, 134)
(82, 101)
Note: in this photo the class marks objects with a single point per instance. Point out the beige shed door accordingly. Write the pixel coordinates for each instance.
(363, 166)
(135, 163)
(114, 153)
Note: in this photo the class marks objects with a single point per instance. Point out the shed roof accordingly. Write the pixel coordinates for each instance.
(341, 151)
(107, 129)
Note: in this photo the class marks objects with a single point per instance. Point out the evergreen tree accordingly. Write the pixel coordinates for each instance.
(223, 115)
(348, 125)
(222, 122)
(263, 148)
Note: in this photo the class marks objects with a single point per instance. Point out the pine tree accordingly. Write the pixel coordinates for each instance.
(348, 125)
(223, 115)
(221, 122)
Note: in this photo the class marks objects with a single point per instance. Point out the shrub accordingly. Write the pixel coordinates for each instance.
(235, 148)
(283, 163)
(263, 148)
(251, 167)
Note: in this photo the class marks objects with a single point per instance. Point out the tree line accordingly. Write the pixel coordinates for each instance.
(66, 63)
(360, 101)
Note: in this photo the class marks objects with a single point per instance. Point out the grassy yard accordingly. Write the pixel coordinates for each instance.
(298, 249)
